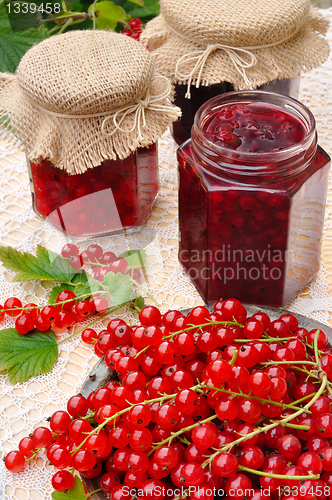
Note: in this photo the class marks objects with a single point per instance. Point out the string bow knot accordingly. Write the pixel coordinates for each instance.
(199, 57)
(150, 101)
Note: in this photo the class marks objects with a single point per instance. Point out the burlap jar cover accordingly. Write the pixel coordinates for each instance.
(246, 43)
(85, 96)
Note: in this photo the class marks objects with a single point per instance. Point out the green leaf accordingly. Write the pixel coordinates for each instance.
(46, 265)
(14, 45)
(81, 277)
(119, 287)
(26, 356)
(135, 258)
(87, 288)
(137, 2)
(108, 14)
(75, 493)
(139, 302)
(152, 5)
(56, 290)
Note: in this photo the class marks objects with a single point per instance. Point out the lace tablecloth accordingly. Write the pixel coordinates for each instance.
(23, 407)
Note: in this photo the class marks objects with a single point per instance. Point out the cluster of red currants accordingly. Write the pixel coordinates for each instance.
(100, 261)
(203, 401)
(134, 29)
(69, 310)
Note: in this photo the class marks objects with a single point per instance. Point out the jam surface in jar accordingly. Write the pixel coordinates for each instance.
(251, 202)
(109, 198)
(254, 129)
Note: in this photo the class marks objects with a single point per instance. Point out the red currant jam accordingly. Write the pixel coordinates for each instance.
(189, 107)
(109, 198)
(252, 197)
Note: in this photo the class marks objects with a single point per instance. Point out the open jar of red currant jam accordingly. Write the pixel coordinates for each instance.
(88, 108)
(252, 197)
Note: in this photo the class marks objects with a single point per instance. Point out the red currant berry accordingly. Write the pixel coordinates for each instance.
(15, 304)
(69, 250)
(77, 406)
(42, 437)
(135, 24)
(15, 461)
(64, 296)
(89, 336)
(119, 265)
(26, 447)
(24, 324)
(60, 422)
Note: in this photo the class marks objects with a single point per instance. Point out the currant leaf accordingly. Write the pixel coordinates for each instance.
(45, 265)
(75, 493)
(80, 277)
(119, 287)
(108, 14)
(26, 356)
(87, 288)
(135, 258)
(139, 302)
(14, 45)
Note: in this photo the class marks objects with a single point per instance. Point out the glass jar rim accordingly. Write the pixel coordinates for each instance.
(247, 96)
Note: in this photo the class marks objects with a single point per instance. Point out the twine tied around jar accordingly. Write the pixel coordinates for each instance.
(150, 101)
(118, 115)
(200, 56)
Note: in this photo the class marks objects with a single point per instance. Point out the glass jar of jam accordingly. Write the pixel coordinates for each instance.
(252, 195)
(89, 121)
(113, 197)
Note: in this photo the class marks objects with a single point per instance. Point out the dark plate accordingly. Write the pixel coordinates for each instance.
(101, 374)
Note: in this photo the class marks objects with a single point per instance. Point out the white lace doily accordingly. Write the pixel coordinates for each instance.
(23, 407)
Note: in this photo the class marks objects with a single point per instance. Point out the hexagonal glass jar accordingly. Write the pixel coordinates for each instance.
(252, 197)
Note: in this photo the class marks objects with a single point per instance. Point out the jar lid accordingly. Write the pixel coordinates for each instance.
(86, 96)
(240, 23)
(84, 72)
(244, 43)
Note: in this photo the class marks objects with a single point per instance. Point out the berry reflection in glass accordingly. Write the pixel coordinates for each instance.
(252, 196)
(107, 199)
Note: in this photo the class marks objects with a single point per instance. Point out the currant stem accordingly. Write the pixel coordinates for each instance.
(93, 492)
(316, 349)
(181, 431)
(302, 362)
(278, 476)
(141, 352)
(268, 339)
(235, 355)
(296, 426)
(257, 398)
(143, 290)
(109, 310)
(35, 453)
(193, 327)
